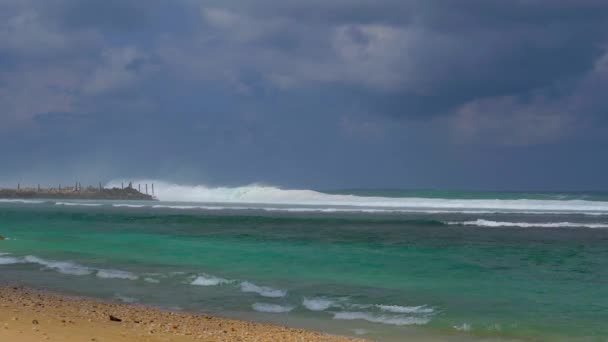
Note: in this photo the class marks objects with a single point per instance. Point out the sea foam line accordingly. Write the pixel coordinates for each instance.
(23, 201)
(263, 291)
(271, 308)
(124, 205)
(262, 194)
(68, 267)
(76, 204)
(317, 303)
(210, 280)
(422, 309)
(383, 319)
(489, 223)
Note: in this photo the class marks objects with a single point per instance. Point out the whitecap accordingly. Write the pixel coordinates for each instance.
(422, 309)
(272, 308)
(128, 205)
(24, 201)
(317, 304)
(182, 207)
(74, 204)
(9, 260)
(463, 327)
(263, 291)
(209, 280)
(151, 280)
(116, 274)
(64, 267)
(489, 223)
(270, 195)
(382, 319)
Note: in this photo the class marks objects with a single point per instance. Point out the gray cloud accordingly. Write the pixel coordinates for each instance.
(253, 77)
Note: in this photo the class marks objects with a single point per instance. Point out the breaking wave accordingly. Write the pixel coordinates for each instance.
(262, 194)
(271, 308)
(383, 319)
(78, 204)
(64, 267)
(317, 304)
(23, 201)
(263, 291)
(67, 267)
(209, 280)
(8, 260)
(116, 274)
(124, 205)
(406, 309)
(488, 223)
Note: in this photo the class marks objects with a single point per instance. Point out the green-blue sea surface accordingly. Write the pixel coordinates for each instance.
(387, 276)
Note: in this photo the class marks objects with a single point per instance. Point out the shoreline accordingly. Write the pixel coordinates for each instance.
(32, 315)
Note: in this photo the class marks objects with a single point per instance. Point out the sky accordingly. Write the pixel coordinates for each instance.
(470, 94)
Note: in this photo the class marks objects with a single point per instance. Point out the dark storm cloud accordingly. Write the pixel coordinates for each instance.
(228, 81)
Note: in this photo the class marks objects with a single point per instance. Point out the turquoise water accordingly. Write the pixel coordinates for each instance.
(458, 194)
(460, 273)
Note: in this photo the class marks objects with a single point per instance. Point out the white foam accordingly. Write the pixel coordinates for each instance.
(263, 291)
(24, 201)
(209, 280)
(8, 260)
(151, 280)
(67, 267)
(360, 331)
(121, 205)
(382, 319)
(405, 309)
(463, 327)
(64, 267)
(272, 308)
(488, 223)
(262, 194)
(126, 299)
(116, 274)
(317, 304)
(78, 204)
(175, 206)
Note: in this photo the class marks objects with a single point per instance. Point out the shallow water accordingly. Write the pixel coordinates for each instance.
(459, 274)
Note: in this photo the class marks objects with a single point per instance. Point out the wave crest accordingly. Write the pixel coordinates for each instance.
(263, 291)
(383, 319)
(263, 194)
(209, 280)
(489, 223)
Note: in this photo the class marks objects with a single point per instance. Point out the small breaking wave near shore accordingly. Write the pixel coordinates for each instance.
(337, 308)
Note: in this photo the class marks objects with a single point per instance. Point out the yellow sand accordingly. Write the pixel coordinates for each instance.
(31, 316)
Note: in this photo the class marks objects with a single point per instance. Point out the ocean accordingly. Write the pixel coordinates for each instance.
(387, 265)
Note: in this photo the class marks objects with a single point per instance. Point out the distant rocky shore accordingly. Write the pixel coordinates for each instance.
(88, 193)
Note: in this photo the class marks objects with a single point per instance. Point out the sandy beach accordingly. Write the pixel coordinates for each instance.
(28, 315)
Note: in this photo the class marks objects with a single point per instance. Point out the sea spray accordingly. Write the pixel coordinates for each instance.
(263, 194)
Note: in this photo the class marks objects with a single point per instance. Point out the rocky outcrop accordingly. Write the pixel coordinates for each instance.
(86, 194)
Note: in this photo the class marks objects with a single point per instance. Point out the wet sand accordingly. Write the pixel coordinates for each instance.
(28, 315)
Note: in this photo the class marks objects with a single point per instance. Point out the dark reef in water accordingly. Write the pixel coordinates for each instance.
(89, 193)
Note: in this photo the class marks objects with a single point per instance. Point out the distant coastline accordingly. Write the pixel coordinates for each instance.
(77, 192)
